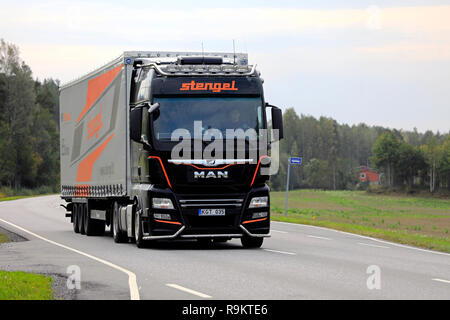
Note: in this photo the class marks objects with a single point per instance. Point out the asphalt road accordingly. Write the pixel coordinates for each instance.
(297, 262)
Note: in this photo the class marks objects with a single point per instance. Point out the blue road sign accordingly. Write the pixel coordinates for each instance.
(295, 160)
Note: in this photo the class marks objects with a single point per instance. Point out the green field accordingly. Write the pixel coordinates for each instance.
(422, 222)
(3, 238)
(25, 286)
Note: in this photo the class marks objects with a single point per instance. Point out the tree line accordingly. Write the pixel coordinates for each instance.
(29, 133)
(334, 153)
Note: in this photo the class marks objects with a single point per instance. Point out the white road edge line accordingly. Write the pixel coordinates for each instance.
(316, 237)
(441, 280)
(364, 237)
(282, 252)
(278, 231)
(372, 245)
(196, 293)
(132, 281)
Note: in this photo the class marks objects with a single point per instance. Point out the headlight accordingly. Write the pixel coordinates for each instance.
(258, 202)
(162, 203)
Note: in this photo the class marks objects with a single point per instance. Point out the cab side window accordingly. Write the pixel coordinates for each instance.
(143, 86)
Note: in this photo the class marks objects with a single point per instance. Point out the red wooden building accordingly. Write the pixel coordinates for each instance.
(368, 174)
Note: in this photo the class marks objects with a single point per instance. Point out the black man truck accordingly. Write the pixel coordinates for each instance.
(143, 148)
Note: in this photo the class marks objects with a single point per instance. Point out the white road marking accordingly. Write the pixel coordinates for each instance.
(364, 237)
(441, 280)
(316, 237)
(282, 252)
(372, 245)
(196, 293)
(278, 231)
(132, 281)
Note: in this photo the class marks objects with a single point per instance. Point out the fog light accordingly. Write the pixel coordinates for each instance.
(162, 203)
(257, 215)
(162, 216)
(258, 202)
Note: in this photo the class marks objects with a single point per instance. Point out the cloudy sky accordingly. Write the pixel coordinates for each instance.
(379, 62)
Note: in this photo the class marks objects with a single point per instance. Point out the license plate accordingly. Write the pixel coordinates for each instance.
(211, 212)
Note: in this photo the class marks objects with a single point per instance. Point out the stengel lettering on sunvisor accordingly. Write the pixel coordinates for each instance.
(209, 86)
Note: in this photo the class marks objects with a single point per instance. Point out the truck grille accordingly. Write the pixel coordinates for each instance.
(190, 205)
(211, 203)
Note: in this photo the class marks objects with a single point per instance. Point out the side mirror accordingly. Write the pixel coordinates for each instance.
(277, 120)
(136, 124)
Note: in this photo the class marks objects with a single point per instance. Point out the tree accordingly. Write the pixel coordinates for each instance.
(445, 162)
(433, 159)
(386, 153)
(318, 174)
(410, 161)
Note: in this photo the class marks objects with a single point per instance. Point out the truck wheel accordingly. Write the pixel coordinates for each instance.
(76, 225)
(118, 235)
(140, 243)
(251, 242)
(81, 221)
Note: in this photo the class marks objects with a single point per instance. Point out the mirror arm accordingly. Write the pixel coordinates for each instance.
(145, 142)
(153, 107)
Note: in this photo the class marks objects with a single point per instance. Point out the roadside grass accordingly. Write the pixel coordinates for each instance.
(20, 285)
(3, 238)
(7, 194)
(23, 197)
(25, 286)
(417, 221)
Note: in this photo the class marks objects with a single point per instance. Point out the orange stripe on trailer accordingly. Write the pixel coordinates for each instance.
(171, 222)
(250, 221)
(96, 87)
(164, 169)
(85, 167)
(257, 167)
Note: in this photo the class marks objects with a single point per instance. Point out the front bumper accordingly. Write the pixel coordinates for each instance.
(186, 222)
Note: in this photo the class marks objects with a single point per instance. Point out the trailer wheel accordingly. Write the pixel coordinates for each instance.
(251, 242)
(119, 236)
(76, 225)
(92, 227)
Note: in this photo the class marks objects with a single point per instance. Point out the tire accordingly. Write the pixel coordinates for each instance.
(92, 227)
(76, 225)
(118, 236)
(138, 234)
(81, 218)
(252, 242)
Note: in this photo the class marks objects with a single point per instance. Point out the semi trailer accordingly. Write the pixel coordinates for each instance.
(137, 155)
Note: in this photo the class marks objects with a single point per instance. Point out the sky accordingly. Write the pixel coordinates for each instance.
(383, 63)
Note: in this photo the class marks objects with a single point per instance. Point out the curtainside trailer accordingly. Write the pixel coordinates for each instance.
(169, 145)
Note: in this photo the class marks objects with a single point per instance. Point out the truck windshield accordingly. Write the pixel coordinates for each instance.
(213, 112)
